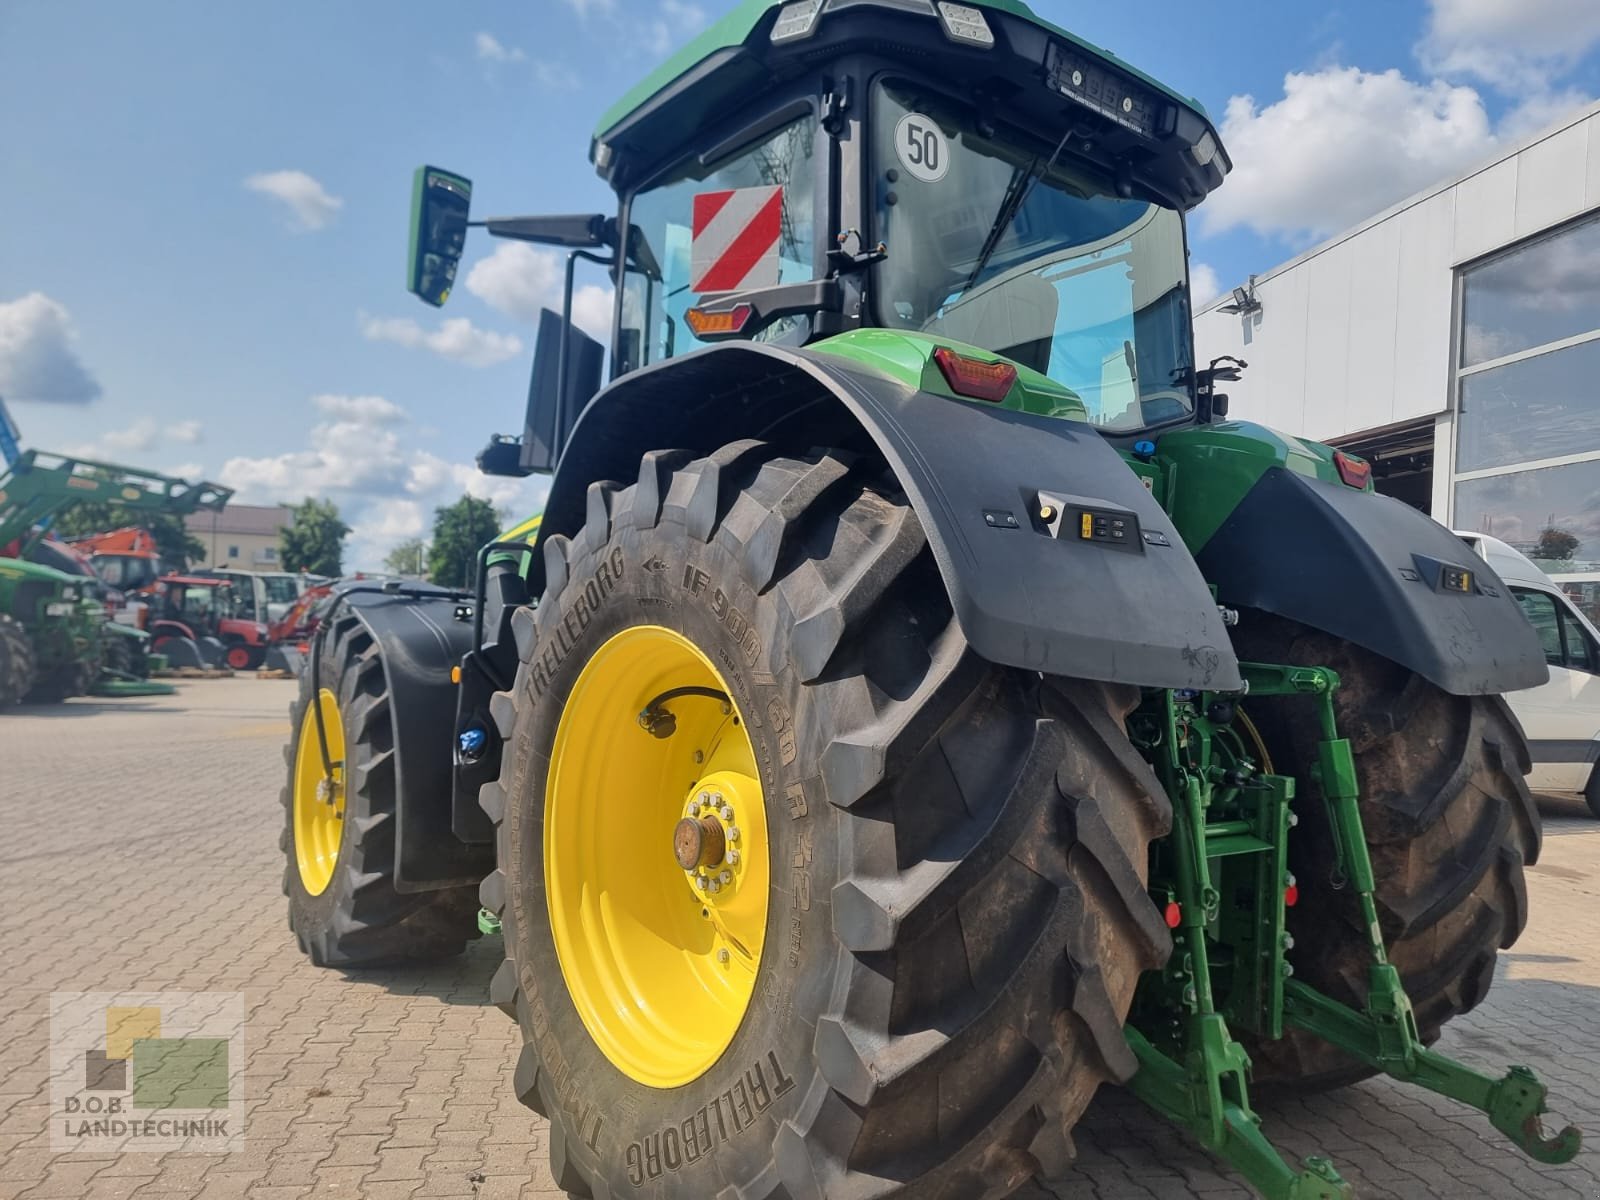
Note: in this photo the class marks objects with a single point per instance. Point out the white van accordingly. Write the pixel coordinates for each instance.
(1561, 718)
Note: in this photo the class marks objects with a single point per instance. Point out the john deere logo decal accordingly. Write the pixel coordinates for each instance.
(156, 1071)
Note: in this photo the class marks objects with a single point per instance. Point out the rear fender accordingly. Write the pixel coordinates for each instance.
(1135, 612)
(1376, 572)
(421, 639)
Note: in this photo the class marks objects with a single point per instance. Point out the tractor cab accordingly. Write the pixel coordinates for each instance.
(974, 178)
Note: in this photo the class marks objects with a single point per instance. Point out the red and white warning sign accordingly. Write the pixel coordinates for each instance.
(735, 241)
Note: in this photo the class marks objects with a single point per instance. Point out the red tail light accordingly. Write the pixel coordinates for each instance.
(974, 378)
(1355, 472)
(1173, 914)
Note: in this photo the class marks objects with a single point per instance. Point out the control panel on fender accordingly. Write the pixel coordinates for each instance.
(1077, 518)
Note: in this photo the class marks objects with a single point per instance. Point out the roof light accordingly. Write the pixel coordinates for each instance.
(963, 23)
(705, 324)
(973, 377)
(1356, 472)
(795, 21)
(1204, 150)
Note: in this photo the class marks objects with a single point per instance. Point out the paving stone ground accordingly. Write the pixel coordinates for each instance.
(139, 852)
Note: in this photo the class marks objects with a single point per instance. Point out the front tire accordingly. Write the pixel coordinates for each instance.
(1450, 824)
(957, 914)
(16, 661)
(340, 845)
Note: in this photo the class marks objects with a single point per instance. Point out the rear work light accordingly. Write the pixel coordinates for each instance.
(974, 378)
(1355, 472)
(705, 324)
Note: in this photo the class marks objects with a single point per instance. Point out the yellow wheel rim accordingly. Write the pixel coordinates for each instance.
(660, 960)
(318, 799)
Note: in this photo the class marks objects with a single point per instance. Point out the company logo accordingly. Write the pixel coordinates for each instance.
(154, 1071)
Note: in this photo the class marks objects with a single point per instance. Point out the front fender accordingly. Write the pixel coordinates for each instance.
(420, 640)
(1027, 593)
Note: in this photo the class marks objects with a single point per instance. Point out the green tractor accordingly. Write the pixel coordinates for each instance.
(917, 705)
(55, 639)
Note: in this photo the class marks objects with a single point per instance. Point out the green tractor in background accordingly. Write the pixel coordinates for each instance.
(56, 640)
(917, 704)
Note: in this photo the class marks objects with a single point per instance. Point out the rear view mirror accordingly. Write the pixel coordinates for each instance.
(439, 204)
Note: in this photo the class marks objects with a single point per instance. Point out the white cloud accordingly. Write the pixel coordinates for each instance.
(1341, 145)
(456, 338)
(675, 22)
(556, 76)
(386, 490)
(584, 7)
(192, 471)
(186, 433)
(490, 49)
(38, 356)
(519, 281)
(145, 434)
(1204, 287)
(308, 202)
(1516, 46)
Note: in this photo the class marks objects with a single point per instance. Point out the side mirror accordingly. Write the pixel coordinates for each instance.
(439, 205)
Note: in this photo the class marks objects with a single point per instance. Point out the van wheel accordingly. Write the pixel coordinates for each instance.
(1591, 793)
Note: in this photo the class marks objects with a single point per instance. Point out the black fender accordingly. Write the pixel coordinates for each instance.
(1135, 612)
(1378, 573)
(420, 638)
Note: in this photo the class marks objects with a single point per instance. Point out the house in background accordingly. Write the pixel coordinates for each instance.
(241, 536)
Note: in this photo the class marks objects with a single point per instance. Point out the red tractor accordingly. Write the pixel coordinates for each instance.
(195, 621)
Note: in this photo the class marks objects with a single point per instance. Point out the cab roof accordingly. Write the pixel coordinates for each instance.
(734, 31)
(735, 62)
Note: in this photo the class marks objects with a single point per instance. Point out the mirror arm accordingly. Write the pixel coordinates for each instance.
(575, 229)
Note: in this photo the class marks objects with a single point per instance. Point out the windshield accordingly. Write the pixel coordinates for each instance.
(1046, 266)
(281, 589)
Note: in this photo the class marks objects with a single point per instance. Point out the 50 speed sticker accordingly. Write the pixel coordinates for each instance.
(920, 146)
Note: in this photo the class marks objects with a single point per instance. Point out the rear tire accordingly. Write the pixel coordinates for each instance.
(359, 919)
(16, 661)
(958, 915)
(1591, 791)
(1450, 824)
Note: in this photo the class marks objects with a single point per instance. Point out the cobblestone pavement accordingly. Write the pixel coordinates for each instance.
(140, 852)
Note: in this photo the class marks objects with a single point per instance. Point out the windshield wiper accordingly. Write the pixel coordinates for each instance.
(1017, 191)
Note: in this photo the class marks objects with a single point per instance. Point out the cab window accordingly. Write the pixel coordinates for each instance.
(733, 206)
(1566, 643)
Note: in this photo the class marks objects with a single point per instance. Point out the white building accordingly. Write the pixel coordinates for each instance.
(1453, 340)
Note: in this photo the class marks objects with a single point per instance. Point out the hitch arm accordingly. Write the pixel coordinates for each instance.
(1513, 1104)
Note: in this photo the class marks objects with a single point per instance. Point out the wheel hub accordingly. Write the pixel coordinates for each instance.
(318, 798)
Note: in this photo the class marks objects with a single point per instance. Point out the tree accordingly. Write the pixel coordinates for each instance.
(314, 539)
(1555, 543)
(406, 558)
(177, 546)
(460, 530)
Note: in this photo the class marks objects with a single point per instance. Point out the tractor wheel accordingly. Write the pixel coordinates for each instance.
(66, 681)
(119, 655)
(16, 661)
(800, 897)
(1591, 792)
(339, 833)
(242, 657)
(1449, 821)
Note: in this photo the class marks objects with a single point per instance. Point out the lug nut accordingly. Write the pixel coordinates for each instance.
(704, 797)
(733, 833)
(725, 878)
(694, 809)
(733, 858)
(716, 886)
(727, 812)
(723, 956)
(702, 882)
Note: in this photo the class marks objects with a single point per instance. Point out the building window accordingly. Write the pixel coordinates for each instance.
(269, 554)
(233, 552)
(1527, 461)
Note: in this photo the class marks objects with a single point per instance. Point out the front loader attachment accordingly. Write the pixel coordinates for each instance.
(1223, 881)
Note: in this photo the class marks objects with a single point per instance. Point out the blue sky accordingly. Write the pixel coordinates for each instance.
(202, 249)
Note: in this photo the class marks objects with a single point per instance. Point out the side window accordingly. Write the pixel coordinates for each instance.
(1582, 654)
(743, 223)
(1540, 610)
